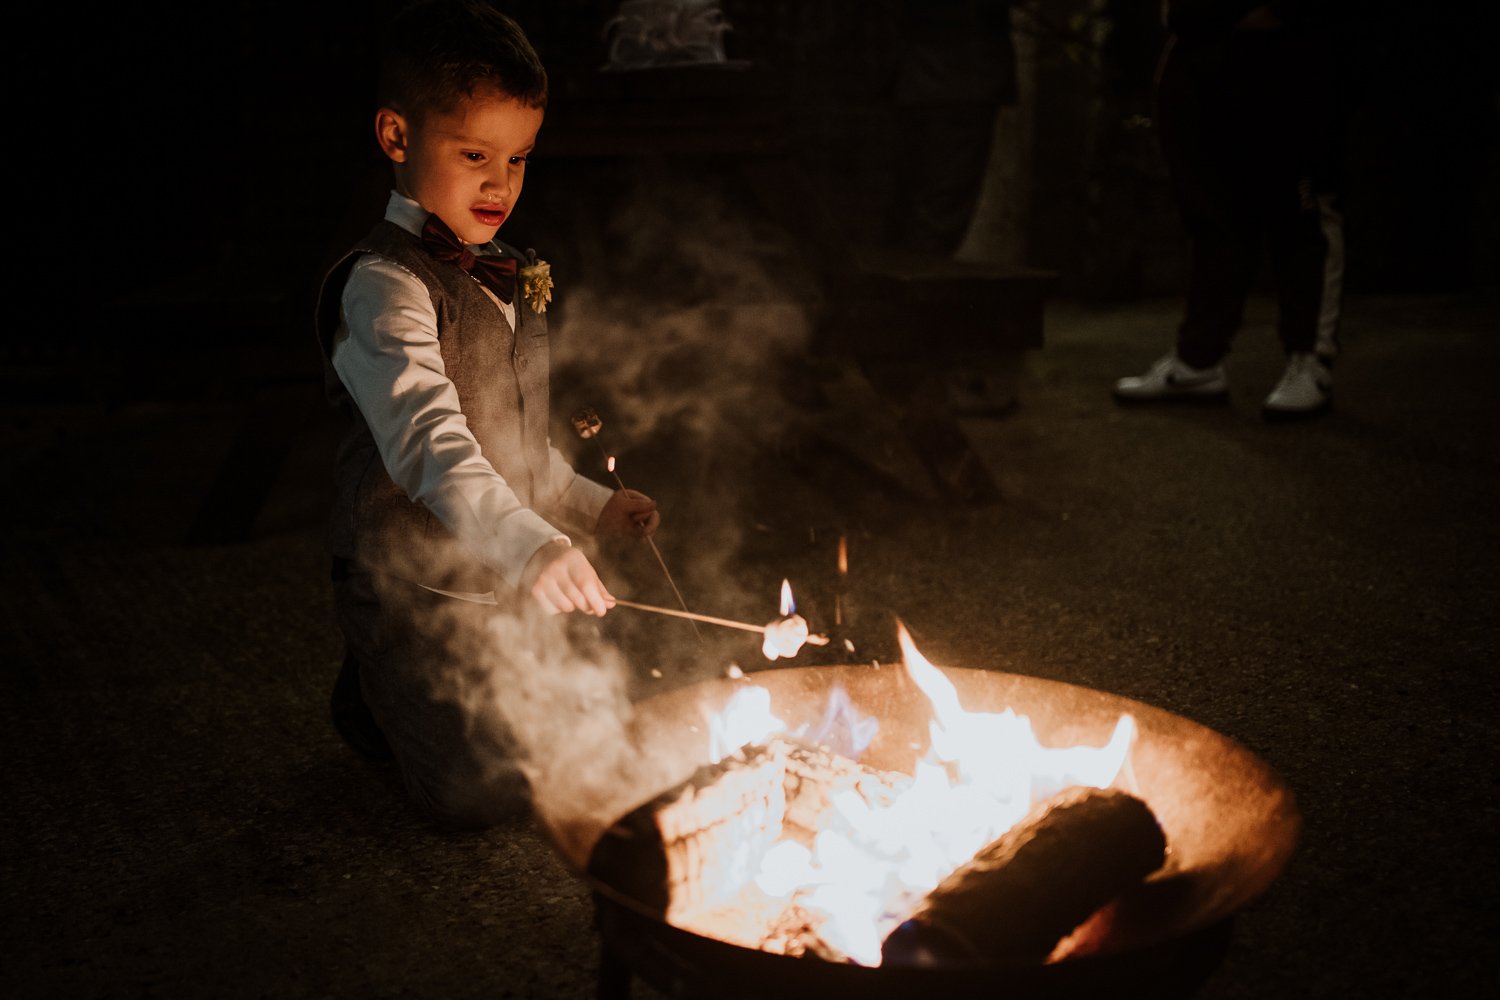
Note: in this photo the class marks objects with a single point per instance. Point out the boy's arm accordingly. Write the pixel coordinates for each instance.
(577, 499)
(387, 357)
(589, 507)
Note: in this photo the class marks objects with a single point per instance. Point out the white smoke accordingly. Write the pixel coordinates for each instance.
(684, 374)
(684, 367)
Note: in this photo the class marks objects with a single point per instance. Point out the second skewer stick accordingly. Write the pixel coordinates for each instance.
(588, 425)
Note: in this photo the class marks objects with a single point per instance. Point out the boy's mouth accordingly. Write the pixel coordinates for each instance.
(489, 215)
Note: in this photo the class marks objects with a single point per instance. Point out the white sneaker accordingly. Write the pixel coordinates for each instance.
(1305, 389)
(1169, 378)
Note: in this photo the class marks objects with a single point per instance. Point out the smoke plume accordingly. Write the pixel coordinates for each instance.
(678, 348)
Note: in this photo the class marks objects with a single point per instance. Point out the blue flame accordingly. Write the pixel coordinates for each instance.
(843, 729)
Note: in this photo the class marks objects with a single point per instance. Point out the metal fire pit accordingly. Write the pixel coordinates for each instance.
(1231, 826)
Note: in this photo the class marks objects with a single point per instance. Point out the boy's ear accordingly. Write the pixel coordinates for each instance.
(393, 134)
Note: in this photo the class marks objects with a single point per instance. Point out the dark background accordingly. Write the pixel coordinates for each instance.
(222, 154)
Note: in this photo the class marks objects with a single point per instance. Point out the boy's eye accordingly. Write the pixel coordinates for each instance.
(517, 160)
(474, 157)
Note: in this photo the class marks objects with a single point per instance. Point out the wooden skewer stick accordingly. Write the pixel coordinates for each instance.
(588, 425)
(812, 640)
(692, 615)
(663, 564)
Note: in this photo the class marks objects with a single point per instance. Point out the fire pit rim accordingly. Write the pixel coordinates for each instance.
(1266, 863)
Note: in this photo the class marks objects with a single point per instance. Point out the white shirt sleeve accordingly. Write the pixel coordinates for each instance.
(577, 499)
(386, 354)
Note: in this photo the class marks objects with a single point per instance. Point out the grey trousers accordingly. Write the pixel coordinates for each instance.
(426, 675)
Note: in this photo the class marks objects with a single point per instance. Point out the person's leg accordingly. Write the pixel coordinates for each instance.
(1200, 111)
(1197, 105)
(1222, 270)
(424, 685)
(1307, 257)
(1304, 225)
(1305, 230)
(346, 704)
(351, 716)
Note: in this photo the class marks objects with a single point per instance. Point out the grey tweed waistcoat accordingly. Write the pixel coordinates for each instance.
(501, 376)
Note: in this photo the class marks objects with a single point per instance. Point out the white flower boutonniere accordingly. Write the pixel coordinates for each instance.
(536, 282)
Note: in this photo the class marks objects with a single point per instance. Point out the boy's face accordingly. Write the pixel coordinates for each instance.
(466, 165)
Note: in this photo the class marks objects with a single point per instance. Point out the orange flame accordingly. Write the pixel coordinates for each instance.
(982, 773)
(611, 463)
(787, 604)
(843, 555)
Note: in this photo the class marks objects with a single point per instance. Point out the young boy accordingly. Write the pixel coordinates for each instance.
(447, 487)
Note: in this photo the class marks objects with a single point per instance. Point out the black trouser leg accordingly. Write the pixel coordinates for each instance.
(1198, 133)
(1300, 262)
(1223, 267)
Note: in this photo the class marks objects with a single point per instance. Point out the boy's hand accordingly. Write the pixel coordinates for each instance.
(561, 579)
(627, 512)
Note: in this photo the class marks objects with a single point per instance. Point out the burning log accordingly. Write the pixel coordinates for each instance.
(796, 932)
(1034, 884)
(697, 844)
(701, 839)
(814, 775)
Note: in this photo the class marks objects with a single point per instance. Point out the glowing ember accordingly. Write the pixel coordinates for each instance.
(884, 841)
(838, 594)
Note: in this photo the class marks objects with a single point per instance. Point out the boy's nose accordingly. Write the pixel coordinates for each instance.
(498, 187)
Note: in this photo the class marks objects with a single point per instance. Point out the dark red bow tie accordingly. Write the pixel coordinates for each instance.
(494, 272)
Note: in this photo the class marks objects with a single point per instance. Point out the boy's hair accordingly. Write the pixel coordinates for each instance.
(438, 52)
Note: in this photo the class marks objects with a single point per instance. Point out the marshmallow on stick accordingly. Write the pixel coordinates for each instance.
(783, 637)
(786, 637)
(788, 634)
